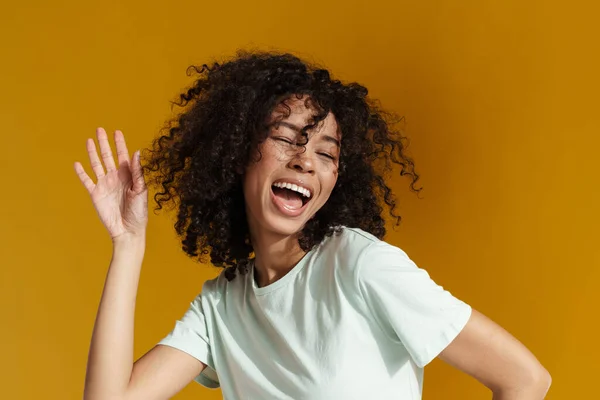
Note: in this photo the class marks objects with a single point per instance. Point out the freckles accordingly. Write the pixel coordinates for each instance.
(336, 169)
(279, 151)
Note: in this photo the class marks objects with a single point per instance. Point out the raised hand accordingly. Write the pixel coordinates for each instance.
(120, 195)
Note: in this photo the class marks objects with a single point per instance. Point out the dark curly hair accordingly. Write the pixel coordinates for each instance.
(196, 164)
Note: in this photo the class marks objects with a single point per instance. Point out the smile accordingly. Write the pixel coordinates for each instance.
(296, 188)
(289, 197)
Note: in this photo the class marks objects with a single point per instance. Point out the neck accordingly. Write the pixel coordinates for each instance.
(276, 255)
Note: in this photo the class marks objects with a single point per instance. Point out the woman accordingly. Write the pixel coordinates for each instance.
(276, 171)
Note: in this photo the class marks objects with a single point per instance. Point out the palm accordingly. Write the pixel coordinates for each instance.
(119, 195)
(112, 200)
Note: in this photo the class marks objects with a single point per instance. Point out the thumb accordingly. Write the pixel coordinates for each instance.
(137, 175)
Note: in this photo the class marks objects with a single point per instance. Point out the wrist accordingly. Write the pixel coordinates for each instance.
(130, 241)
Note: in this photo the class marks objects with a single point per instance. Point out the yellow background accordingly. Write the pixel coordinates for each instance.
(501, 100)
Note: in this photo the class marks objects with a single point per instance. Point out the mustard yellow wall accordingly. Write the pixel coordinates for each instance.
(501, 100)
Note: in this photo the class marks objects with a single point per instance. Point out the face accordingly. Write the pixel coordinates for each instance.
(289, 183)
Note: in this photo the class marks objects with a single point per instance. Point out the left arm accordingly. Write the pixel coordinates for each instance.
(498, 360)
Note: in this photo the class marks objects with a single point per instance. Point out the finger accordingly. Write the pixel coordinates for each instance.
(122, 152)
(137, 174)
(106, 151)
(84, 178)
(94, 160)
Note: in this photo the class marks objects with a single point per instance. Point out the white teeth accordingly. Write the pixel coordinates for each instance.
(303, 191)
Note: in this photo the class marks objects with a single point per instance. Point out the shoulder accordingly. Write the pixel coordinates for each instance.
(355, 251)
(214, 289)
(356, 243)
(347, 240)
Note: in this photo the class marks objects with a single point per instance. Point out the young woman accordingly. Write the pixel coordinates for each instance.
(276, 171)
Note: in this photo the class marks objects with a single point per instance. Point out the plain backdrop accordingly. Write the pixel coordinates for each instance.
(500, 100)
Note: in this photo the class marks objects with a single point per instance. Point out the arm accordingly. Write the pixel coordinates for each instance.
(120, 197)
(407, 303)
(111, 374)
(161, 373)
(491, 355)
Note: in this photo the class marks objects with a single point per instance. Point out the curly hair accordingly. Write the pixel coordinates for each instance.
(196, 163)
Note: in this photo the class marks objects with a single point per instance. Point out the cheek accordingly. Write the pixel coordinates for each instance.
(271, 155)
(252, 179)
(258, 173)
(335, 170)
(329, 182)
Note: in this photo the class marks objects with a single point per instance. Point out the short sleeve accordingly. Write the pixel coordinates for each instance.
(407, 304)
(190, 335)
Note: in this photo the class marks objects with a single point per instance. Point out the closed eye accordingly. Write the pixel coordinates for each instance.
(288, 141)
(327, 155)
(282, 139)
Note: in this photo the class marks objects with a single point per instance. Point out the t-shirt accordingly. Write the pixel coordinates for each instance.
(354, 319)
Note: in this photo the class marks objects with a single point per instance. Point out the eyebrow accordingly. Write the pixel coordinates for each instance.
(297, 129)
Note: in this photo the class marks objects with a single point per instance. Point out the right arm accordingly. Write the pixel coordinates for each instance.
(111, 373)
(120, 198)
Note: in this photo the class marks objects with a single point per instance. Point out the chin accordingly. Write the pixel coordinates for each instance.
(283, 226)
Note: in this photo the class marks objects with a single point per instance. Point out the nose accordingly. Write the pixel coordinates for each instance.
(302, 162)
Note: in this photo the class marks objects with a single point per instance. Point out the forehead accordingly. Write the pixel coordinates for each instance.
(299, 112)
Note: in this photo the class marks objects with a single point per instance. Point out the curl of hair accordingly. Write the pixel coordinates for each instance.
(195, 164)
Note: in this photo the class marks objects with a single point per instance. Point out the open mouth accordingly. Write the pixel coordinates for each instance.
(290, 198)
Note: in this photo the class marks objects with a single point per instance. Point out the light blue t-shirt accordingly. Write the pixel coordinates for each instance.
(354, 319)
